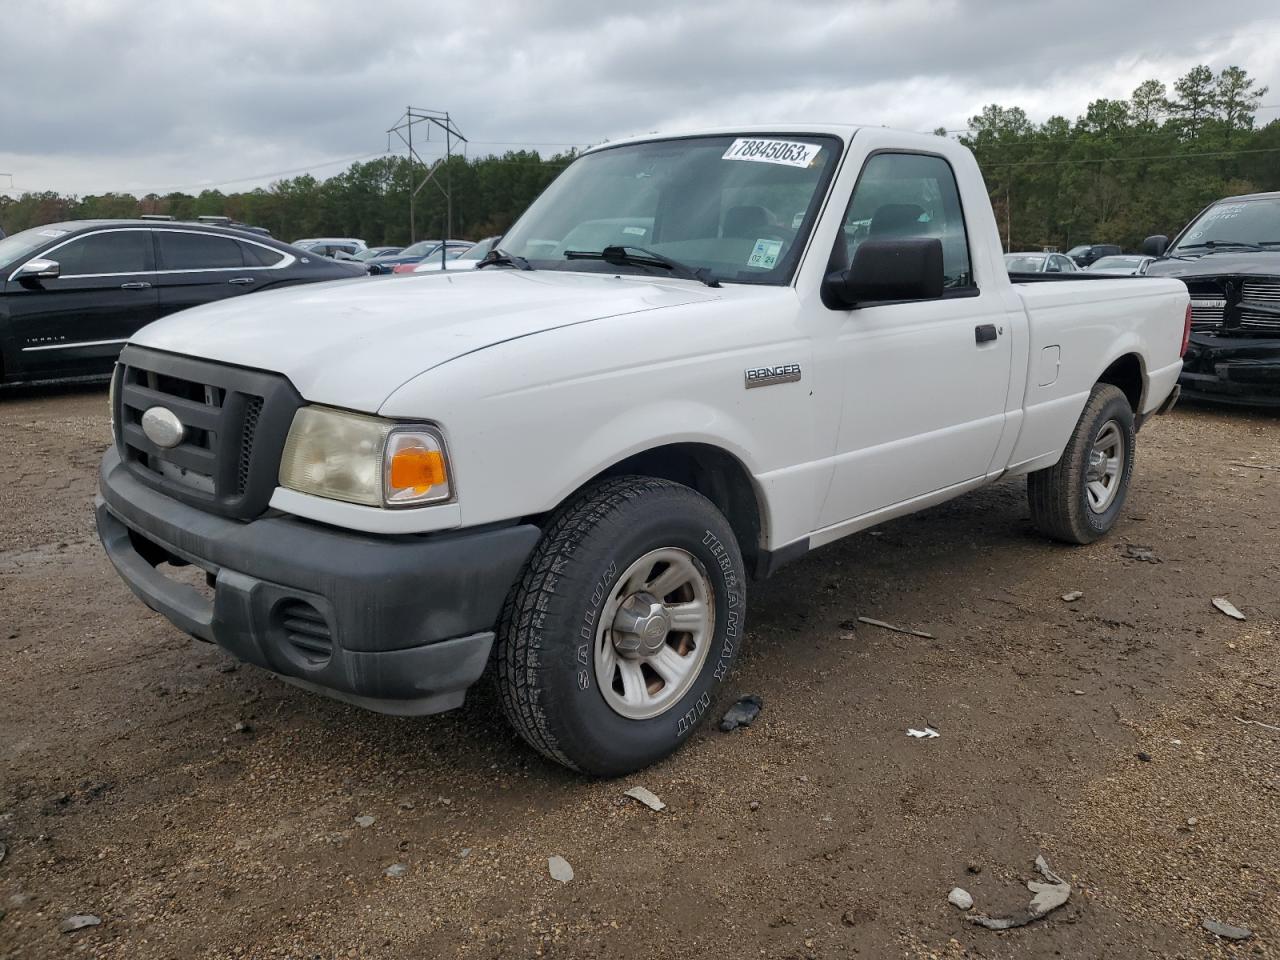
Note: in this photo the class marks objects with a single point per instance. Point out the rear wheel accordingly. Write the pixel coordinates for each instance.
(626, 620)
(1079, 498)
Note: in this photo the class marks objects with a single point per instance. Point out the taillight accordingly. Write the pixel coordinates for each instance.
(1186, 332)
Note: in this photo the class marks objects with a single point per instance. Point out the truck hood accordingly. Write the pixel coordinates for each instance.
(352, 343)
(1255, 263)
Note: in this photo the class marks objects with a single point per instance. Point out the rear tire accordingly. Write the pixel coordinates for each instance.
(1079, 498)
(599, 673)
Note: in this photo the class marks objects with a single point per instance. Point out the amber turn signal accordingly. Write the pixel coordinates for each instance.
(417, 469)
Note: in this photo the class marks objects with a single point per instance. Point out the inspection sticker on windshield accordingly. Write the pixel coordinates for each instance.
(765, 254)
(787, 152)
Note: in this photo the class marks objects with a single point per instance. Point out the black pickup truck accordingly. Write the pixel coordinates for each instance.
(1229, 258)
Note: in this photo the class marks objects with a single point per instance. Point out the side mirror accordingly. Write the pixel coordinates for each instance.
(38, 269)
(1155, 246)
(887, 270)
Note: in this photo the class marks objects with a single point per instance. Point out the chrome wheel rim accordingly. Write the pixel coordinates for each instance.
(1105, 468)
(654, 633)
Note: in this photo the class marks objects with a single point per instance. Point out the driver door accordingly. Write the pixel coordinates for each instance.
(924, 391)
(76, 323)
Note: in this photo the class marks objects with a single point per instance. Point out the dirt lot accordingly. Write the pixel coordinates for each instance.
(1101, 733)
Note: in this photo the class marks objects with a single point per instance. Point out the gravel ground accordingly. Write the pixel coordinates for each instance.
(202, 809)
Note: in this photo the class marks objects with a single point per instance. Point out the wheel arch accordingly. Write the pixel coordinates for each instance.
(716, 474)
(1128, 372)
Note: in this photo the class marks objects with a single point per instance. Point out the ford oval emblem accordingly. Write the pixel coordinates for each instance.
(163, 428)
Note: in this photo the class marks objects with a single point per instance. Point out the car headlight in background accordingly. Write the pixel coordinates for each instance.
(362, 459)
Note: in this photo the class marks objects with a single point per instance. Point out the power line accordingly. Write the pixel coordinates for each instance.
(267, 176)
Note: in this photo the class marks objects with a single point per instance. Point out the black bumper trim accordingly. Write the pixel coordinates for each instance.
(411, 618)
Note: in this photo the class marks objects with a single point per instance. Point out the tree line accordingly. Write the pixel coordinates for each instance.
(1123, 170)
(368, 200)
(1126, 169)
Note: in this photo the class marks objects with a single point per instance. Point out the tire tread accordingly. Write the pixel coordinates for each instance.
(535, 593)
(1056, 510)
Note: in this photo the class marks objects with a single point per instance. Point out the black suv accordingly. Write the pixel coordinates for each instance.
(72, 293)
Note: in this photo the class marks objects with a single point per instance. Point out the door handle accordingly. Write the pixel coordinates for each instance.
(241, 280)
(136, 285)
(985, 332)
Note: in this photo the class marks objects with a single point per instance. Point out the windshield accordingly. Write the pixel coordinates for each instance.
(1116, 263)
(479, 250)
(20, 245)
(1233, 222)
(739, 208)
(1079, 251)
(1023, 264)
(371, 252)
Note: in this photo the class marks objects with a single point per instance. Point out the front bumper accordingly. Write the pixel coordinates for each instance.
(1227, 369)
(400, 625)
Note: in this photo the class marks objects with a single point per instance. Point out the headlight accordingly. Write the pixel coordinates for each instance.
(363, 459)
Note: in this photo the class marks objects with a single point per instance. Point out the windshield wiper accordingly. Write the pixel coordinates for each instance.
(1213, 245)
(503, 259)
(642, 257)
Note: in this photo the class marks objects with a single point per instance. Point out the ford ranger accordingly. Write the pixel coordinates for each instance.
(693, 359)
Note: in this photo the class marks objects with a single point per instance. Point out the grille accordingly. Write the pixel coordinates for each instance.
(1266, 291)
(1208, 303)
(235, 423)
(306, 629)
(1260, 293)
(1207, 314)
(252, 412)
(1261, 322)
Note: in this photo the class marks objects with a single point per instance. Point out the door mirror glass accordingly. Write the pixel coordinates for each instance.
(38, 269)
(1155, 246)
(889, 270)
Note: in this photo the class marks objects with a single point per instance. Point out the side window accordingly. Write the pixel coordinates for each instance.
(903, 195)
(118, 251)
(256, 256)
(198, 251)
(1054, 265)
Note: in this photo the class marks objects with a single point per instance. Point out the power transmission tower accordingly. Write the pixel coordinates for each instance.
(439, 120)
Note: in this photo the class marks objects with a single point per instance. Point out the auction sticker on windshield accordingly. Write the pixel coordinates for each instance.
(765, 254)
(788, 152)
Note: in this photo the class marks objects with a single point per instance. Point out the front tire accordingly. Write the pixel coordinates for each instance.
(1079, 498)
(626, 620)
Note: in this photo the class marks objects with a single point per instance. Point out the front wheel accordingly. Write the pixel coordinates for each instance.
(1079, 498)
(626, 619)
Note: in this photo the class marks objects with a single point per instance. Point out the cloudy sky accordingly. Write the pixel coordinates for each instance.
(142, 95)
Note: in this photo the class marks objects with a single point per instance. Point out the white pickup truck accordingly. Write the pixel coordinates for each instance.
(693, 359)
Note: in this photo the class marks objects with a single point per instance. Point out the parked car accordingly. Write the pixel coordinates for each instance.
(1039, 263)
(368, 253)
(573, 458)
(1229, 258)
(331, 246)
(71, 293)
(1087, 253)
(1124, 265)
(466, 260)
(414, 254)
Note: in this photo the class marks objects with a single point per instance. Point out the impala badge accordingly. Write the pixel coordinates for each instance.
(768, 376)
(163, 428)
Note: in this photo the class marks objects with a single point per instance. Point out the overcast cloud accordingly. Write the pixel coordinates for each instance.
(142, 95)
